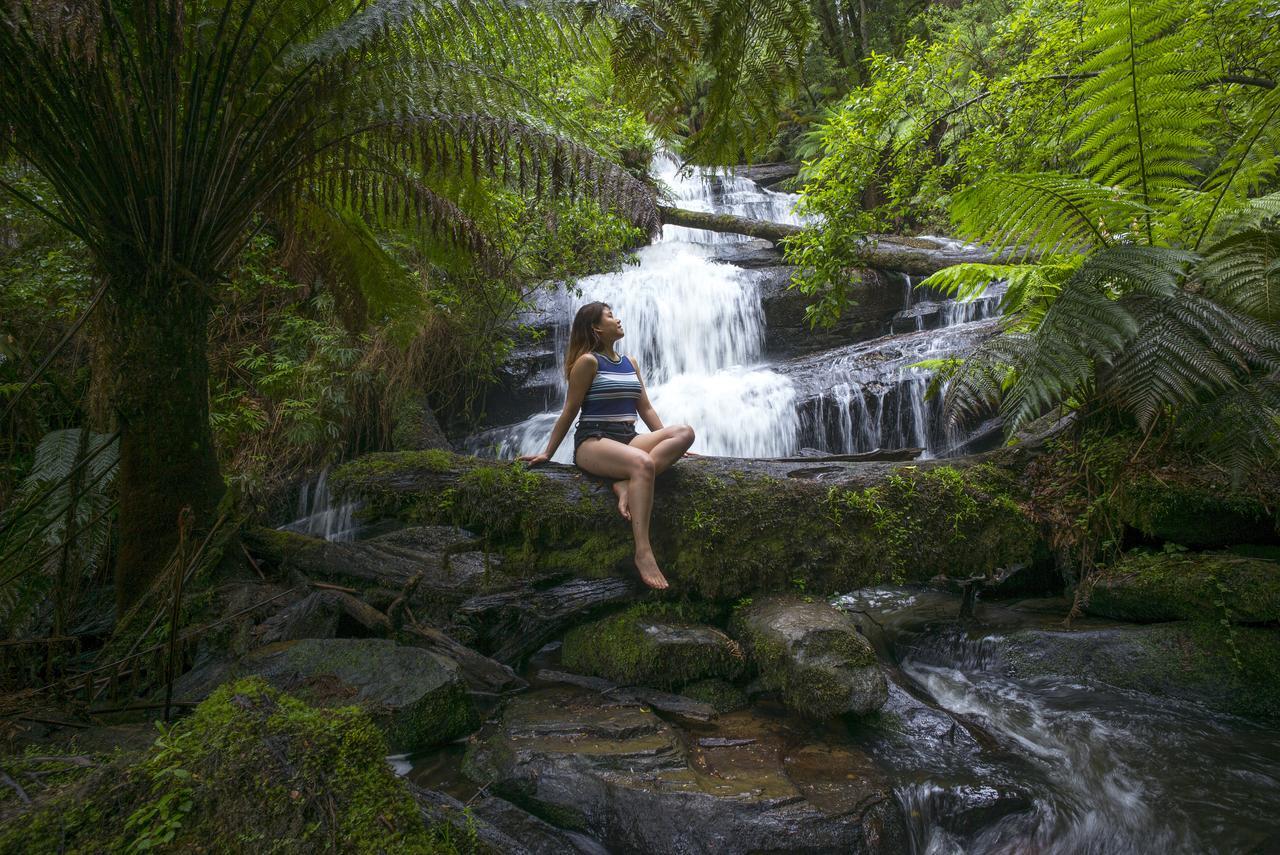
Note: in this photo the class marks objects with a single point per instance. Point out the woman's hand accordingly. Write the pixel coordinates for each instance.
(534, 459)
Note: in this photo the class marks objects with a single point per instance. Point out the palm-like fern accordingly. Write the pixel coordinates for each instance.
(1147, 323)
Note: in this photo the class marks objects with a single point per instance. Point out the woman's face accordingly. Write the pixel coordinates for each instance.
(609, 328)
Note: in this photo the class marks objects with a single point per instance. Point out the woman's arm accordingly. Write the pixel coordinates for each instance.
(644, 409)
(580, 377)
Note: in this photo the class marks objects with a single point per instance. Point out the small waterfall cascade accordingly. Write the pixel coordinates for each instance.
(696, 329)
(318, 516)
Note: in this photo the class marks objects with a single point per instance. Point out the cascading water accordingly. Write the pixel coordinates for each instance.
(318, 516)
(696, 329)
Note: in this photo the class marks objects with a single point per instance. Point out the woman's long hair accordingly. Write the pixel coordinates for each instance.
(583, 337)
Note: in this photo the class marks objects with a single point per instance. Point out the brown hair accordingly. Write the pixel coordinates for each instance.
(582, 335)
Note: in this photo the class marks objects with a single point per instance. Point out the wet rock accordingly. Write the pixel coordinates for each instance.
(1235, 670)
(500, 826)
(484, 676)
(323, 614)
(722, 696)
(750, 254)
(417, 697)
(679, 706)
(812, 654)
(434, 539)
(384, 569)
(511, 625)
(650, 648)
(878, 298)
(634, 782)
(1189, 586)
(1196, 507)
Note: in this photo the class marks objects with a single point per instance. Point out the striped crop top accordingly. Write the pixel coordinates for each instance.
(613, 393)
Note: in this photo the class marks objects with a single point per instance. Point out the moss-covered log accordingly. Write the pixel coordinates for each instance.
(1210, 586)
(723, 528)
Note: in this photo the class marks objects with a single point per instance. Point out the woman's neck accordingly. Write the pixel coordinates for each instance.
(609, 353)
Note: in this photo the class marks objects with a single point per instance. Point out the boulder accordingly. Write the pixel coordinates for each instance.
(813, 655)
(878, 297)
(1234, 669)
(1214, 586)
(1195, 506)
(417, 697)
(630, 780)
(650, 646)
(500, 827)
(720, 695)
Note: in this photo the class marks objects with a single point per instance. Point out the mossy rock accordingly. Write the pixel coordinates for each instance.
(650, 646)
(251, 770)
(813, 655)
(723, 697)
(1193, 512)
(722, 529)
(1189, 586)
(1229, 669)
(418, 697)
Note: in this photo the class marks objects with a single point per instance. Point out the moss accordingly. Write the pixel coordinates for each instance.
(652, 645)
(723, 697)
(1230, 669)
(1191, 512)
(252, 769)
(1151, 588)
(719, 535)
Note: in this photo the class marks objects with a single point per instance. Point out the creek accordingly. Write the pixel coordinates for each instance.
(984, 763)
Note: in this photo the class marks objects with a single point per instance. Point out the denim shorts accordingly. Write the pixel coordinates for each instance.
(622, 432)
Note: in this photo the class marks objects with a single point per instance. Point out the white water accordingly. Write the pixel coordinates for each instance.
(317, 514)
(696, 330)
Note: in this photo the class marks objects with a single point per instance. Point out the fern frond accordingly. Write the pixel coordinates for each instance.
(1243, 271)
(1041, 214)
(1240, 428)
(1140, 118)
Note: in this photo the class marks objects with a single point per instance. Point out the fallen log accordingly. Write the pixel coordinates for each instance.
(723, 528)
(918, 256)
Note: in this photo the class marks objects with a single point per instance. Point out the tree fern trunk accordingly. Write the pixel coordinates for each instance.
(157, 347)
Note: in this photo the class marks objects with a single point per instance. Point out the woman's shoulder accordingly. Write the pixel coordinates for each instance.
(586, 361)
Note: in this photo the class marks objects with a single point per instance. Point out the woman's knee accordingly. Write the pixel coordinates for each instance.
(642, 466)
(685, 434)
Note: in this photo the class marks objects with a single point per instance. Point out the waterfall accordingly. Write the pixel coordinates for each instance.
(318, 516)
(696, 329)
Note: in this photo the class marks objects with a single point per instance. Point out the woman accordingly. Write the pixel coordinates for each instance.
(608, 390)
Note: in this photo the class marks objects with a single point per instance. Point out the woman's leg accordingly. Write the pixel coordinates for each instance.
(665, 447)
(612, 459)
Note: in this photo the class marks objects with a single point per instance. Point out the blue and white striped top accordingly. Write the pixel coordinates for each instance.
(613, 393)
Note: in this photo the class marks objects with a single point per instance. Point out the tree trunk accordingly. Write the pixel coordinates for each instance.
(157, 347)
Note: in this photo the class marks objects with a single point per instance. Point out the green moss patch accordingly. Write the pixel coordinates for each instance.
(1193, 513)
(1210, 586)
(650, 645)
(252, 770)
(718, 534)
(723, 697)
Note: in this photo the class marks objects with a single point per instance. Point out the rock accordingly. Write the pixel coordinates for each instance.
(646, 646)
(383, 569)
(878, 298)
(323, 614)
(768, 174)
(813, 655)
(431, 539)
(750, 254)
(511, 625)
(1189, 586)
(628, 779)
(723, 528)
(723, 697)
(1235, 670)
(1195, 507)
(680, 706)
(483, 675)
(500, 827)
(414, 425)
(417, 697)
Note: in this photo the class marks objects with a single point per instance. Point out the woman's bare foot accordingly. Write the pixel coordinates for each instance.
(649, 572)
(620, 489)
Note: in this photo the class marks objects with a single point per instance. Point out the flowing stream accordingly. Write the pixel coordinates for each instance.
(1103, 771)
(696, 328)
